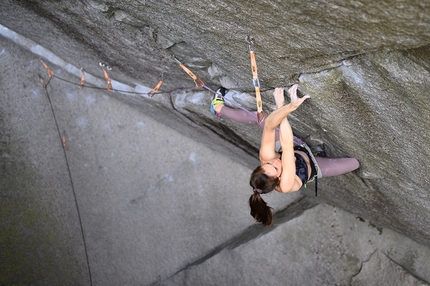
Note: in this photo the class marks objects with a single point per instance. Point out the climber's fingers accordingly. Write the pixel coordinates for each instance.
(295, 100)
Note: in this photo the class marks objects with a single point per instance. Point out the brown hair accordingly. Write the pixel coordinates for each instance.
(262, 184)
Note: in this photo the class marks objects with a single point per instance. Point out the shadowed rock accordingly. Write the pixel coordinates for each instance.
(365, 65)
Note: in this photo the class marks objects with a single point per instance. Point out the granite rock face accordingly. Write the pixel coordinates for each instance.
(365, 64)
(379, 269)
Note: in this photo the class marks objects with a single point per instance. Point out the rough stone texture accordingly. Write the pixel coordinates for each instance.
(144, 222)
(384, 115)
(365, 63)
(136, 194)
(380, 270)
(324, 246)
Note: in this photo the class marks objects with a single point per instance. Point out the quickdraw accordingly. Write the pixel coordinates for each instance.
(63, 140)
(154, 91)
(200, 84)
(197, 81)
(50, 72)
(255, 80)
(44, 85)
(81, 85)
(108, 82)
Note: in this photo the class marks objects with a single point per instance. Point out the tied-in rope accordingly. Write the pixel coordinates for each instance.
(63, 143)
(198, 84)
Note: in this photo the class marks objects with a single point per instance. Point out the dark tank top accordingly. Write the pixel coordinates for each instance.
(301, 166)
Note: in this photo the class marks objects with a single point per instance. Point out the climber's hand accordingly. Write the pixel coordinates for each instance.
(296, 101)
(278, 94)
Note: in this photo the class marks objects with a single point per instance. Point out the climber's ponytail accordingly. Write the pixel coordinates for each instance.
(261, 184)
(260, 210)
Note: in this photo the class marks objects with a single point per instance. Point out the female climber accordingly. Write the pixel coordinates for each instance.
(289, 168)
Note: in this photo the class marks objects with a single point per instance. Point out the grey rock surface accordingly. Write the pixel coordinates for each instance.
(366, 66)
(380, 270)
(324, 246)
(126, 194)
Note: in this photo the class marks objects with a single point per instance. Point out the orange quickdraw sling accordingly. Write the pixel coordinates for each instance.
(255, 80)
(198, 82)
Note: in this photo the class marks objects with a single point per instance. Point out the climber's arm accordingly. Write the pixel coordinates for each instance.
(267, 149)
(289, 180)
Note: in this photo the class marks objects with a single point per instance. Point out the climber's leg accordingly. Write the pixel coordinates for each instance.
(244, 117)
(336, 166)
(240, 116)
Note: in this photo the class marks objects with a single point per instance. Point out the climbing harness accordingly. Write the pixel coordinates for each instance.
(255, 80)
(300, 145)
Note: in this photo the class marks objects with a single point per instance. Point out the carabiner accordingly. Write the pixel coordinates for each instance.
(108, 82)
(154, 91)
(44, 85)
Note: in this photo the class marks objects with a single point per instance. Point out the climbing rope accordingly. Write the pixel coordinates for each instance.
(63, 143)
(200, 84)
(109, 85)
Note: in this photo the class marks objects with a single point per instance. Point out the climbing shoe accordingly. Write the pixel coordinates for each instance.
(217, 98)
